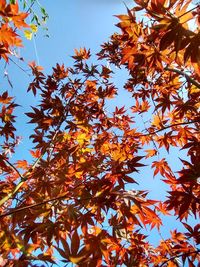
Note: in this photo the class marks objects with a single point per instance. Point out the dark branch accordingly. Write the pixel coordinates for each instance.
(170, 126)
(180, 255)
(188, 78)
(31, 206)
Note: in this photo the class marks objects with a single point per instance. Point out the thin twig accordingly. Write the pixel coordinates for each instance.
(18, 186)
(188, 11)
(13, 211)
(180, 255)
(19, 67)
(170, 126)
(14, 168)
(188, 78)
(30, 206)
(30, 7)
(165, 128)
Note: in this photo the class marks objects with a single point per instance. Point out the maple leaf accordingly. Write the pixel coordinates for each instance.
(5, 99)
(161, 167)
(8, 36)
(36, 154)
(151, 153)
(23, 164)
(34, 67)
(81, 54)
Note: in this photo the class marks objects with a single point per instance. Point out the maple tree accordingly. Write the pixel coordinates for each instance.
(76, 198)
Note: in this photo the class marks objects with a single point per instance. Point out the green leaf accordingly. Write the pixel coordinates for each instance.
(43, 11)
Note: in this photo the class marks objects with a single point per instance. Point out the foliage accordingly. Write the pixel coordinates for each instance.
(38, 17)
(12, 21)
(77, 196)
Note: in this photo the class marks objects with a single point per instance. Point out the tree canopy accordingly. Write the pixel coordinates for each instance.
(80, 199)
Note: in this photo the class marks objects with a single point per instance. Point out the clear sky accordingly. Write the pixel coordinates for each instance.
(72, 24)
(77, 23)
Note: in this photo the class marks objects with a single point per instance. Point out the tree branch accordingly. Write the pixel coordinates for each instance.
(188, 78)
(180, 255)
(37, 204)
(26, 72)
(31, 206)
(170, 126)
(162, 129)
(13, 167)
(23, 177)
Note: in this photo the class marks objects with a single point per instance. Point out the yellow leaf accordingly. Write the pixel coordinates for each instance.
(87, 149)
(34, 28)
(66, 136)
(118, 154)
(105, 148)
(82, 138)
(82, 160)
(194, 90)
(98, 193)
(79, 174)
(76, 259)
(6, 118)
(157, 121)
(28, 34)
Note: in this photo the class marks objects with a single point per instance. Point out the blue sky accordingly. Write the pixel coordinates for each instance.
(77, 23)
(72, 24)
